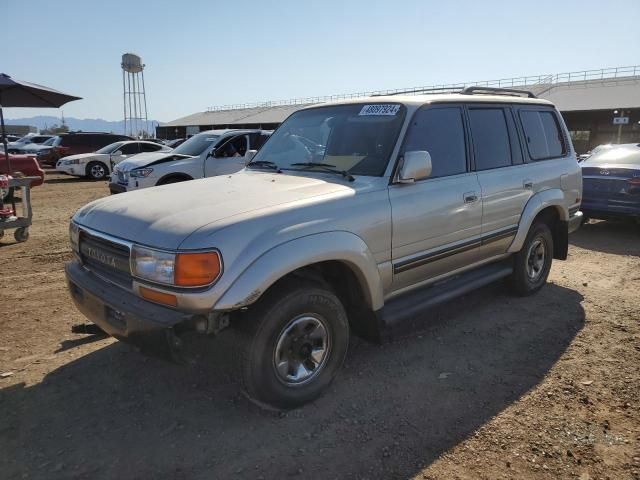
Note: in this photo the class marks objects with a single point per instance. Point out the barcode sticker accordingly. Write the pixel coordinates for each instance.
(379, 109)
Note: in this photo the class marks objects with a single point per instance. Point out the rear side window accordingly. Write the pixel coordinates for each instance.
(440, 132)
(542, 134)
(491, 146)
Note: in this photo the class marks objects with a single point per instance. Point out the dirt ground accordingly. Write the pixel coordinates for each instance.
(488, 386)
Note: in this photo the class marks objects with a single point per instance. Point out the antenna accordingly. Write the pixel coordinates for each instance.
(134, 97)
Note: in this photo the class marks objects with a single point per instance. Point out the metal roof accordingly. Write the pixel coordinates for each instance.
(604, 89)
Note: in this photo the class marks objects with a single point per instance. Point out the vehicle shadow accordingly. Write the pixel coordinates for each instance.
(70, 179)
(391, 411)
(617, 237)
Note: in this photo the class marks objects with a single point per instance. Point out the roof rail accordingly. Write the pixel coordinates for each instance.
(433, 90)
(499, 91)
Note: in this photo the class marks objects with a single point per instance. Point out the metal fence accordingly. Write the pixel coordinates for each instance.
(547, 80)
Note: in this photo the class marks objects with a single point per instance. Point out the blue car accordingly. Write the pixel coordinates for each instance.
(611, 183)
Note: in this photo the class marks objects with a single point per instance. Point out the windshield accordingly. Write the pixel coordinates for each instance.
(112, 147)
(25, 139)
(196, 144)
(50, 142)
(356, 138)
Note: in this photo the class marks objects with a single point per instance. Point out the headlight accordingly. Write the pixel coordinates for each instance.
(141, 172)
(196, 269)
(71, 162)
(74, 236)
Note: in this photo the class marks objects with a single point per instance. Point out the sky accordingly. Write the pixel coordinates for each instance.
(205, 53)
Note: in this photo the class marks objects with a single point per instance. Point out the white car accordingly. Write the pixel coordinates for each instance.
(26, 142)
(98, 165)
(207, 154)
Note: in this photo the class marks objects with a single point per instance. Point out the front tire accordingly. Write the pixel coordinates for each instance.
(292, 344)
(97, 171)
(533, 262)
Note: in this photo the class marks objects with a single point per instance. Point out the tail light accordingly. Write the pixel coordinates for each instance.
(635, 181)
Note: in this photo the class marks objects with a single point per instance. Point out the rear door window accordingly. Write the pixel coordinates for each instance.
(149, 147)
(130, 148)
(490, 135)
(439, 131)
(543, 135)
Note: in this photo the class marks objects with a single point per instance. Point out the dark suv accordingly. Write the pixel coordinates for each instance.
(73, 143)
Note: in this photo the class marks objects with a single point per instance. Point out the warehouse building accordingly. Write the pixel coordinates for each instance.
(599, 106)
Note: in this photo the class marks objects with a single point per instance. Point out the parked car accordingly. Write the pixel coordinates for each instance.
(210, 153)
(611, 179)
(75, 143)
(26, 142)
(408, 201)
(98, 165)
(12, 138)
(175, 143)
(21, 165)
(35, 148)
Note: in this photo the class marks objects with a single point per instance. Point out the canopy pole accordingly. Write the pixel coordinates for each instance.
(4, 141)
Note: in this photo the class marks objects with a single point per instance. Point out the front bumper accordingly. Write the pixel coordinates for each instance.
(126, 316)
(116, 188)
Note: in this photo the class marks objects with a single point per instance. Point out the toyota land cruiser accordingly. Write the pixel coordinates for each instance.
(353, 216)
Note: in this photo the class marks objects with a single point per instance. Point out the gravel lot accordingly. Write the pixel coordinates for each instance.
(488, 386)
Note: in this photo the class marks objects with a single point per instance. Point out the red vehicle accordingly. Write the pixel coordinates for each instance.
(21, 165)
(74, 143)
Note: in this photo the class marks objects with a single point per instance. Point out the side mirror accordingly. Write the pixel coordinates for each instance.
(212, 153)
(249, 155)
(415, 166)
(117, 153)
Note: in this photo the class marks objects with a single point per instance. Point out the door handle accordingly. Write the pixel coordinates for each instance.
(470, 197)
(528, 184)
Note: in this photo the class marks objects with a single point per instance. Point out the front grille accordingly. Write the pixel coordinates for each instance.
(106, 258)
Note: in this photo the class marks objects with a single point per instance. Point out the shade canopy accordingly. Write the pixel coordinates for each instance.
(16, 93)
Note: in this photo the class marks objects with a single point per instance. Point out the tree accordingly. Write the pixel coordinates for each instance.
(55, 129)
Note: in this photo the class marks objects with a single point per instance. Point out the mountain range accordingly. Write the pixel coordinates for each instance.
(84, 124)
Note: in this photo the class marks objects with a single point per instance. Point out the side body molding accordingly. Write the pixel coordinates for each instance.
(553, 197)
(289, 256)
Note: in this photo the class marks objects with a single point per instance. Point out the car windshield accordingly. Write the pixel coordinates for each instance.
(50, 142)
(25, 139)
(355, 138)
(196, 144)
(627, 155)
(112, 147)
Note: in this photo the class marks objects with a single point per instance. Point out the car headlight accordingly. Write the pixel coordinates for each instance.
(74, 237)
(140, 172)
(71, 162)
(191, 269)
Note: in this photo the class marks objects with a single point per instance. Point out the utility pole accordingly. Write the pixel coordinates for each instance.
(620, 127)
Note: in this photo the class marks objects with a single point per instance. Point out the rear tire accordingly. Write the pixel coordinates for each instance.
(21, 234)
(97, 171)
(292, 344)
(533, 262)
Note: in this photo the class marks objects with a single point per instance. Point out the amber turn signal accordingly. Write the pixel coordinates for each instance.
(158, 297)
(197, 269)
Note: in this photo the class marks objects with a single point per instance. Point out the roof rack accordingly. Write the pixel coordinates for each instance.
(433, 90)
(499, 91)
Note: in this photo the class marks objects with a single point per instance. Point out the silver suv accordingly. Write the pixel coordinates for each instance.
(353, 216)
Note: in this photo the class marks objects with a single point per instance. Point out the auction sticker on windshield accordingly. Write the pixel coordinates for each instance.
(379, 109)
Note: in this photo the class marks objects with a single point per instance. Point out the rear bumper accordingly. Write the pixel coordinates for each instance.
(611, 208)
(575, 221)
(126, 316)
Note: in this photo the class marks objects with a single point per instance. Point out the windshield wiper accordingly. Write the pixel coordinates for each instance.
(326, 167)
(265, 164)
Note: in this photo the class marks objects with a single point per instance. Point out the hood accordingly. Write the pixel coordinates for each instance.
(81, 156)
(145, 159)
(164, 216)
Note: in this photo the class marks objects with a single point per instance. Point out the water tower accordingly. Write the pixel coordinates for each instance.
(135, 99)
